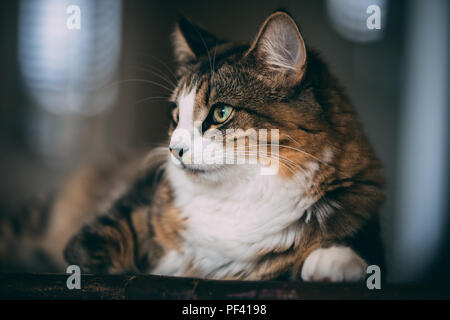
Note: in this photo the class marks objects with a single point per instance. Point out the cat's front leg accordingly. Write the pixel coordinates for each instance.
(107, 245)
(334, 264)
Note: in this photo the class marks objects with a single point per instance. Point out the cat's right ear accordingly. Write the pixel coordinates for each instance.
(191, 42)
(279, 50)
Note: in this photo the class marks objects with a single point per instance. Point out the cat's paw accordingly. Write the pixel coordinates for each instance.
(334, 264)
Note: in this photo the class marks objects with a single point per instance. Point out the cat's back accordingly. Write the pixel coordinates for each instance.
(44, 227)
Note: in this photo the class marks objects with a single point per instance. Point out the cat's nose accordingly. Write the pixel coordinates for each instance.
(178, 152)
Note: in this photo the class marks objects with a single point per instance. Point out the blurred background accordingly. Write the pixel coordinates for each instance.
(75, 91)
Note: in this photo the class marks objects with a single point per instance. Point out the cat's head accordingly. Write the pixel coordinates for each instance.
(257, 100)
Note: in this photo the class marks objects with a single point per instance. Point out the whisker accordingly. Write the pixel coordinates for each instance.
(272, 156)
(144, 81)
(207, 51)
(159, 75)
(293, 140)
(289, 164)
(277, 155)
(280, 161)
(154, 99)
(299, 150)
(160, 62)
(214, 62)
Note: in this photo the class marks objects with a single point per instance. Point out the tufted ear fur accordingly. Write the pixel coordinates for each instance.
(191, 42)
(280, 50)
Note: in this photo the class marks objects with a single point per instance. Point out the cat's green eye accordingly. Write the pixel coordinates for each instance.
(221, 113)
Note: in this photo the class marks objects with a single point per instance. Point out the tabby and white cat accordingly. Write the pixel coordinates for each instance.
(316, 218)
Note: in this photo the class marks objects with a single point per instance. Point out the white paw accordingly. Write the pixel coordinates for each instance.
(334, 264)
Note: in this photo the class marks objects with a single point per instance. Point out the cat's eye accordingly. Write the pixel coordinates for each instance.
(221, 113)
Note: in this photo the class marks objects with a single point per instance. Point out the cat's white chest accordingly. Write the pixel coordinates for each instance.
(227, 225)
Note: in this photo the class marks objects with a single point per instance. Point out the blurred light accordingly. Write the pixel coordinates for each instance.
(349, 18)
(423, 162)
(67, 71)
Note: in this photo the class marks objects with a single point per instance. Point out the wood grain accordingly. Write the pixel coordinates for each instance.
(53, 286)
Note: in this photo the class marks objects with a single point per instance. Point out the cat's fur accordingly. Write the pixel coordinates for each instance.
(316, 219)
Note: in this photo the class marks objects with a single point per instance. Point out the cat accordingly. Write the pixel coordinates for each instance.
(315, 217)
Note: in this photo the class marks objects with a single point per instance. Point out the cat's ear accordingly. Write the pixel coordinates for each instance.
(280, 50)
(191, 42)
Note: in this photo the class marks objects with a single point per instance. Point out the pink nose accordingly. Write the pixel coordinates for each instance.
(177, 152)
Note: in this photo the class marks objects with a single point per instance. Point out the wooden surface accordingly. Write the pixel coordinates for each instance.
(53, 286)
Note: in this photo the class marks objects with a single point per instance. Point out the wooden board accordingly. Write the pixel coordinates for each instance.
(53, 286)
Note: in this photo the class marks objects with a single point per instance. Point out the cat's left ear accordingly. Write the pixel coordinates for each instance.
(191, 42)
(280, 50)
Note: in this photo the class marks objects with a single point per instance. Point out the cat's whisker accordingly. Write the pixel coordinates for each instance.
(153, 99)
(299, 150)
(207, 51)
(156, 144)
(268, 158)
(326, 163)
(144, 81)
(260, 151)
(294, 168)
(214, 62)
(278, 156)
(161, 63)
(278, 159)
(298, 166)
(242, 151)
(289, 164)
(153, 71)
